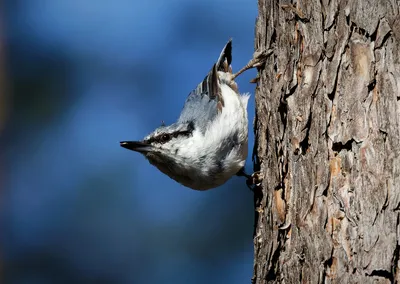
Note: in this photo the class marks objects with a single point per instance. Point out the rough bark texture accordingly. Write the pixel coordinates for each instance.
(328, 142)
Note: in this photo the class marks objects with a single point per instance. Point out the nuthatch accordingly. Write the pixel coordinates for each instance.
(208, 143)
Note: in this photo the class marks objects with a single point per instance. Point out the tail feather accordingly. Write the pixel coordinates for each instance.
(210, 85)
(225, 58)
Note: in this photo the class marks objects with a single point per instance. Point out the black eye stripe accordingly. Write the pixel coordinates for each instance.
(165, 137)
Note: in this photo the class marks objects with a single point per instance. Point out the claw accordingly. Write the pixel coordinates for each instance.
(253, 180)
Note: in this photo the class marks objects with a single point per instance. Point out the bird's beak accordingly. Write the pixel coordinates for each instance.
(136, 146)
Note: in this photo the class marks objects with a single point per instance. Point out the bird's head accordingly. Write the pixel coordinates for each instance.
(166, 147)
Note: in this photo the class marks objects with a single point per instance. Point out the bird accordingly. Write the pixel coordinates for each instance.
(208, 144)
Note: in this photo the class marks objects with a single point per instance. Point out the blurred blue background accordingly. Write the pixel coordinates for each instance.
(82, 76)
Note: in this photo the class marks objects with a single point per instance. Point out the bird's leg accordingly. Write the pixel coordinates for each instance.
(242, 173)
(253, 179)
(259, 59)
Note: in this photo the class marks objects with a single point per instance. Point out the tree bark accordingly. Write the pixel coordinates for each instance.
(328, 142)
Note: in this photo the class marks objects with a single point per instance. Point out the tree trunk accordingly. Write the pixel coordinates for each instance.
(328, 142)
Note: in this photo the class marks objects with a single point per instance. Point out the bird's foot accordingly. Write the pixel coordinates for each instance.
(259, 58)
(253, 180)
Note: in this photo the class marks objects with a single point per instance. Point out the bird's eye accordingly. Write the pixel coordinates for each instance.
(164, 138)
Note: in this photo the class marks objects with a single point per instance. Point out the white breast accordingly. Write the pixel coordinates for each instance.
(231, 121)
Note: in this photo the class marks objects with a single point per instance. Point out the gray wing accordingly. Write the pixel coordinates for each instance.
(205, 102)
(199, 109)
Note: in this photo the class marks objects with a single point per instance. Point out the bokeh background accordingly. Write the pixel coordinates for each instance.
(77, 78)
